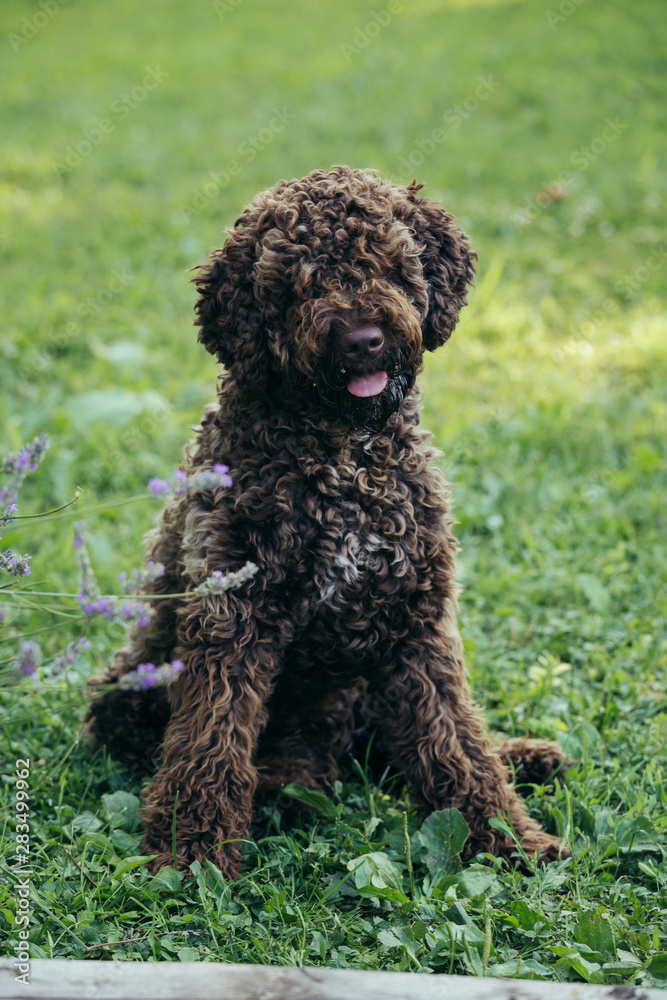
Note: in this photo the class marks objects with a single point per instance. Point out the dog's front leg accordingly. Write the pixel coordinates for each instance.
(199, 804)
(437, 738)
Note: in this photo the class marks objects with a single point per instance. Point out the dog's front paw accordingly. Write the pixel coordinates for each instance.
(227, 860)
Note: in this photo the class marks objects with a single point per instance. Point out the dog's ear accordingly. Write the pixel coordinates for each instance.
(230, 320)
(449, 266)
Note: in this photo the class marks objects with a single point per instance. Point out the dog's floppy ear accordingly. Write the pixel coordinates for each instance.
(449, 266)
(230, 320)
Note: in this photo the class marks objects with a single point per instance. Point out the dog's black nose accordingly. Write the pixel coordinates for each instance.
(359, 345)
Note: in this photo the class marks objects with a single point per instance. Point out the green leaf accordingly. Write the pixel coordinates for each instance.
(459, 933)
(518, 969)
(457, 914)
(99, 842)
(167, 878)
(127, 843)
(86, 822)
(591, 972)
(121, 809)
(658, 965)
(399, 937)
(188, 955)
(580, 740)
(135, 862)
(444, 833)
(318, 945)
(309, 797)
(376, 869)
(594, 930)
(382, 892)
(216, 882)
(276, 903)
(475, 880)
(526, 916)
(597, 594)
(637, 835)
(627, 958)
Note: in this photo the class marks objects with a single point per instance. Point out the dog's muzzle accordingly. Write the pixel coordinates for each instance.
(360, 347)
(369, 378)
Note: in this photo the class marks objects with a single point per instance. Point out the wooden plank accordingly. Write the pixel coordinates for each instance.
(75, 980)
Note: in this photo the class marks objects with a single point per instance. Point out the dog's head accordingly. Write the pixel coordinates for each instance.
(330, 288)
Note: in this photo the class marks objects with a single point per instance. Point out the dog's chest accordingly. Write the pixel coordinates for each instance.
(348, 555)
(366, 547)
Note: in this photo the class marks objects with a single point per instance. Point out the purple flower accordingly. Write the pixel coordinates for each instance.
(222, 470)
(159, 487)
(218, 582)
(180, 482)
(209, 479)
(7, 512)
(138, 578)
(14, 564)
(64, 660)
(200, 481)
(28, 660)
(147, 675)
(112, 608)
(17, 465)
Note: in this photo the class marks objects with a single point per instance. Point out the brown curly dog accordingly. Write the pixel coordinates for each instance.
(320, 305)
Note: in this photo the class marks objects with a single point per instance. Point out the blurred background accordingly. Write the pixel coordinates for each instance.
(134, 134)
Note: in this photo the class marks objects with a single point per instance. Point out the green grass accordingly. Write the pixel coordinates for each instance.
(549, 404)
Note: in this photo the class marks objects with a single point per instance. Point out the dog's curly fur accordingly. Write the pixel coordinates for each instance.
(350, 620)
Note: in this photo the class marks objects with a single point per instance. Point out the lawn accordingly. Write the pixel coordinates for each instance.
(134, 135)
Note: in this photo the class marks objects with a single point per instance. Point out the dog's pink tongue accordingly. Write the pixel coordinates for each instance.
(367, 385)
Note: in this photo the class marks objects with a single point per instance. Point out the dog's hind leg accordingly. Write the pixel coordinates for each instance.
(533, 762)
(436, 736)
